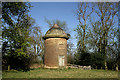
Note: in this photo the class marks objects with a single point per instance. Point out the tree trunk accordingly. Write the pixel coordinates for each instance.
(8, 67)
(116, 67)
(105, 65)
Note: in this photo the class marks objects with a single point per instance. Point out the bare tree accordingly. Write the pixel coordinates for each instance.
(83, 13)
(103, 31)
(97, 27)
(37, 42)
(107, 13)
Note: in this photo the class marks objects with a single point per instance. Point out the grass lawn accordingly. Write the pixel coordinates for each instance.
(60, 73)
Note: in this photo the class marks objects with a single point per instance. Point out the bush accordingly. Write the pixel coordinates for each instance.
(97, 60)
(70, 59)
(16, 62)
(83, 59)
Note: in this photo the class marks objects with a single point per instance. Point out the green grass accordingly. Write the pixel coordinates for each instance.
(61, 73)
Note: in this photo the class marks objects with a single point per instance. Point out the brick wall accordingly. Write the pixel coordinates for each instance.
(53, 48)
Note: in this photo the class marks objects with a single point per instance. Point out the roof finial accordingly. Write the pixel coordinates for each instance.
(56, 26)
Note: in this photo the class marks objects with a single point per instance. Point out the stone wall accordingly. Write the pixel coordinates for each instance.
(79, 67)
(53, 48)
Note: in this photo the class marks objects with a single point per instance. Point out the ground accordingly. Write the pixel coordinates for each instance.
(60, 73)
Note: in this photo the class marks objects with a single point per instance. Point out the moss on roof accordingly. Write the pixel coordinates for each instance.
(55, 32)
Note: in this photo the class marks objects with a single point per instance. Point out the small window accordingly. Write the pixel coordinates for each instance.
(61, 44)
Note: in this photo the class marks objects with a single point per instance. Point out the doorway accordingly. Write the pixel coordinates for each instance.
(61, 60)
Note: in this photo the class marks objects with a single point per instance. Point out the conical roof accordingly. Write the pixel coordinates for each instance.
(55, 32)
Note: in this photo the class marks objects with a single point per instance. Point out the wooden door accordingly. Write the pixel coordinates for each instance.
(61, 60)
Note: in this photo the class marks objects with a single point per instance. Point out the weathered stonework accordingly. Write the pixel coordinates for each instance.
(53, 48)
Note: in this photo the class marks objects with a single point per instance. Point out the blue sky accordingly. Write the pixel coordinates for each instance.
(63, 11)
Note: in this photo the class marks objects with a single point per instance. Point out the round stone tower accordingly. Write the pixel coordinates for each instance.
(55, 48)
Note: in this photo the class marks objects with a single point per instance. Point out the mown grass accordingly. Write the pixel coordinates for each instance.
(61, 73)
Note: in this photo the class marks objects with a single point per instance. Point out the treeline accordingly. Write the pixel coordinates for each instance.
(97, 36)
